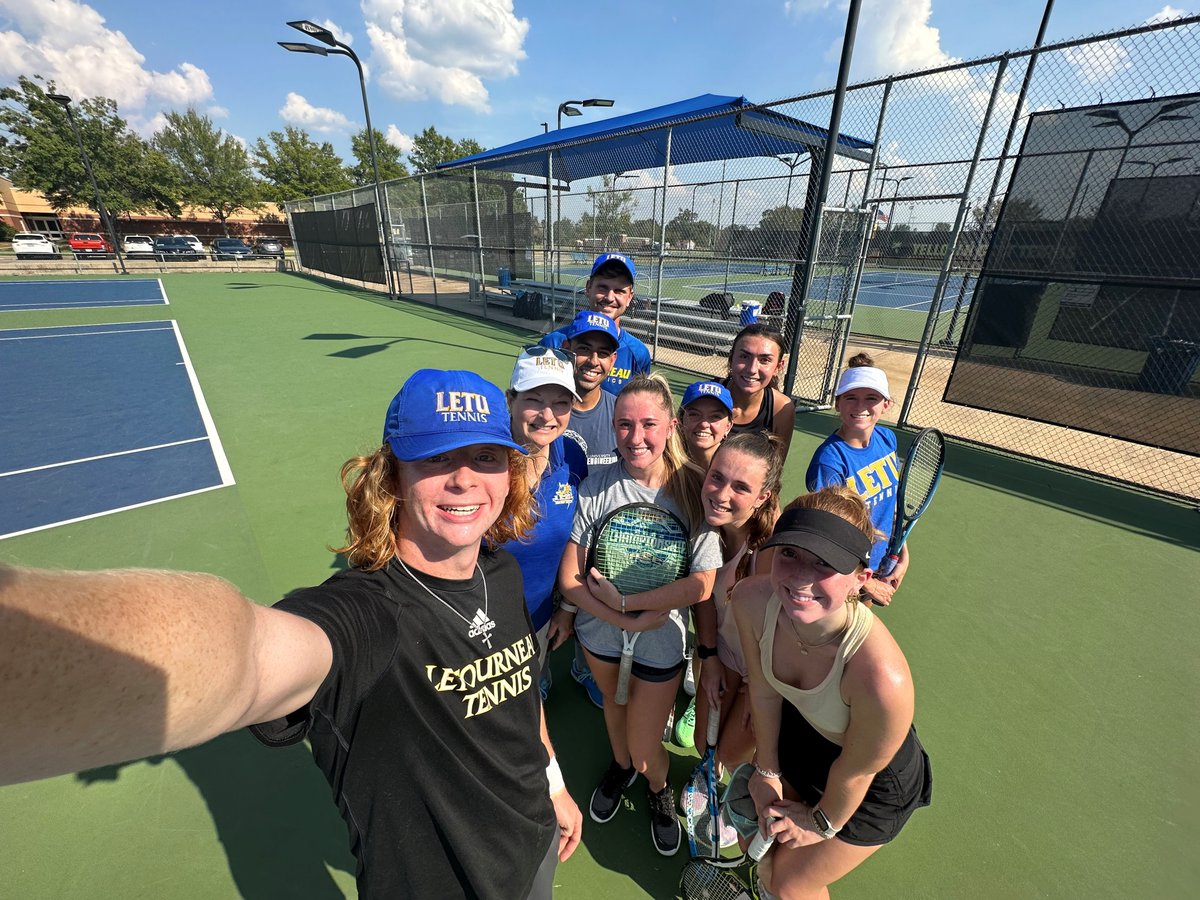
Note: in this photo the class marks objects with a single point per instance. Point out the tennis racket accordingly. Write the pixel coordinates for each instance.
(701, 881)
(700, 799)
(918, 480)
(638, 547)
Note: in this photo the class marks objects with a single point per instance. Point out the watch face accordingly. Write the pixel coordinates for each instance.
(821, 822)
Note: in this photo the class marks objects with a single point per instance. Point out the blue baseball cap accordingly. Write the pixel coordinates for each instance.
(436, 412)
(626, 261)
(586, 321)
(713, 389)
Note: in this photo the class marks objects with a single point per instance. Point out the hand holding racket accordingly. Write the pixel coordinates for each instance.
(919, 478)
(638, 547)
(700, 798)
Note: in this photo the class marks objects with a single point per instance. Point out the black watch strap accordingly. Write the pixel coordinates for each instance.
(703, 652)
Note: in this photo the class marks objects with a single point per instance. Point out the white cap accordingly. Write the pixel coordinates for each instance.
(539, 366)
(863, 377)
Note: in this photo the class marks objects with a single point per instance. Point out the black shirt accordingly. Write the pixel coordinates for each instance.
(429, 739)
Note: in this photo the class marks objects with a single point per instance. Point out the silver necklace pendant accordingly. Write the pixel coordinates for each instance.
(481, 627)
(481, 624)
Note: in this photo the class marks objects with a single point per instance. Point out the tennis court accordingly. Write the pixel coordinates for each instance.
(1045, 618)
(81, 294)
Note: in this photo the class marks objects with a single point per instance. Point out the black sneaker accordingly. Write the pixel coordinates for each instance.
(664, 823)
(606, 799)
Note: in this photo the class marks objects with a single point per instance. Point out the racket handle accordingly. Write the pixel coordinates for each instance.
(888, 566)
(714, 725)
(622, 695)
(759, 846)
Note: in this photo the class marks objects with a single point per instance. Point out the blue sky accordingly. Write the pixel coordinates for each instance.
(494, 69)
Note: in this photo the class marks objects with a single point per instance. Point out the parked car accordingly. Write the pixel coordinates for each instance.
(87, 243)
(31, 245)
(193, 242)
(269, 247)
(175, 248)
(231, 248)
(137, 245)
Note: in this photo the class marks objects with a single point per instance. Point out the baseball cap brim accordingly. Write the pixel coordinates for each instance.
(410, 448)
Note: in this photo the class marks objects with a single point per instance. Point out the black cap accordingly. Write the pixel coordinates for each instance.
(831, 538)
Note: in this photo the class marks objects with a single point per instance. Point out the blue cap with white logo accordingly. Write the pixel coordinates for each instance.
(626, 261)
(586, 321)
(713, 389)
(436, 412)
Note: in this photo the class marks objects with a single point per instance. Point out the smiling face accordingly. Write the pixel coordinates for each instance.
(704, 423)
(860, 409)
(810, 590)
(449, 501)
(610, 293)
(595, 354)
(642, 426)
(539, 415)
(733, 488)
(754, 361)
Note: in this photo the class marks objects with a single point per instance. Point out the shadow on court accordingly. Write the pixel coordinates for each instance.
(388, 341)
(272, 814)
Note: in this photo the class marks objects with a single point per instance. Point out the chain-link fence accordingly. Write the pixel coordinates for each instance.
(899, 264)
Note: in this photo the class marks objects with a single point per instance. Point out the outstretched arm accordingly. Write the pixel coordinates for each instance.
(103, 667)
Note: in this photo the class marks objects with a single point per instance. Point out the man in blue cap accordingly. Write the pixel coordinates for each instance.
(593, 338)
(413, 673)
(609, 289)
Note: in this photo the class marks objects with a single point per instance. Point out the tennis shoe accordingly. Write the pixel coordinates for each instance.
(689, 677)
(665, 830)
(606, 799)
(685, 728)
(584, 677)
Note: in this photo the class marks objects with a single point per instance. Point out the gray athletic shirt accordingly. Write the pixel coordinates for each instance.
(593, 431)
(608, 488)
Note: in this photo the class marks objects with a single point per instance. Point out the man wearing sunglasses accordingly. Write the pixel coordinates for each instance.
(592, 339)
(610, 291)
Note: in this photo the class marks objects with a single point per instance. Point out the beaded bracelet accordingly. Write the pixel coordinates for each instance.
(767, 773)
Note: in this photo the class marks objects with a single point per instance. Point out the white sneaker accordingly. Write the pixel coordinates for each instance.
(689, 678)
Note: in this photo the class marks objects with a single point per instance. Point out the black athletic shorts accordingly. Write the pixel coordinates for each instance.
(901, 788)
(642, 671)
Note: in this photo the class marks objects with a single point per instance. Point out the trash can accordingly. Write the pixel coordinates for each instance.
(750, 311)
(1170, 366)
(504, 274)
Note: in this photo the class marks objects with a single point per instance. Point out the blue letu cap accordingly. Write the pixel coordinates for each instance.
(626, 261)
(586, 321)
(713, 389)
(438, 411)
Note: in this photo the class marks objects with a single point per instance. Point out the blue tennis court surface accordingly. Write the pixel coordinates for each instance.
(99, 419)
(880, 289)
(81, 293)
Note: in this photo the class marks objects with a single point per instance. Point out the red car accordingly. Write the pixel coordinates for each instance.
(84, 243)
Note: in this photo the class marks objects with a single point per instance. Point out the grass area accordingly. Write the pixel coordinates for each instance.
(1055, 666)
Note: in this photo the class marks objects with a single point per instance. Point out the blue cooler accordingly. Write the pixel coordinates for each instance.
(750, 311)
(504, 274)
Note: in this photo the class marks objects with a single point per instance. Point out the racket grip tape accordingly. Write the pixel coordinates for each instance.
(759, 845)
(622, 694)
(888, 566)
(714, 725)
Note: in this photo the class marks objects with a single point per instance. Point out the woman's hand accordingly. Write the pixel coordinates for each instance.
(792, 824)
(712, 680)
(879, 591)
(766, 793)
(644, 621)
(562, 626)
(604, 590)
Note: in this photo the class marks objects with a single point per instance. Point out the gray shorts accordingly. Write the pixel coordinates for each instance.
(661, 648)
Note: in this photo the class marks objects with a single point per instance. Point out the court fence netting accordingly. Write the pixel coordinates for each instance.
(1013, 239)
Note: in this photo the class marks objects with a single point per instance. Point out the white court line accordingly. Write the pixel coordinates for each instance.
(85, 304)
(86, 459)
(109, 512)
(165, 299)
(210, 426)
(41, 337)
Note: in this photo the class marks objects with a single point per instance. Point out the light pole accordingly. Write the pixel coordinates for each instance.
(335, 47)
(105, 219)
(885, 179)
(1154, 165)
(568, 107)
(791, 164)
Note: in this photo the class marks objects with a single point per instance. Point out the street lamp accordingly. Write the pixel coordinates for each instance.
(1154, 165)
(567, 109)
(105, 219)
(335, 47)
(885, 179)
(791, 164)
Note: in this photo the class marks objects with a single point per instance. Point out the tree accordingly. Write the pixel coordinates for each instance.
(387, 154)
(939, 227)
(614, 209)
(214, 169)
(39, 152)
(295, 166)
(688, 226)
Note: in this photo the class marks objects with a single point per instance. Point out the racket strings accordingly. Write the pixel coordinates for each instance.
(700, 881)
(921, 475)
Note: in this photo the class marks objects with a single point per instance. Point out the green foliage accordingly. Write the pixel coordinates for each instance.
(386, 153)
(430, 148)
(296, 167)
(213, 168)
(6, 231)
(39, 152)
(613, 210)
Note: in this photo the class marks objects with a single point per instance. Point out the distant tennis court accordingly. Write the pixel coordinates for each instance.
(98, 419)
(81, 294)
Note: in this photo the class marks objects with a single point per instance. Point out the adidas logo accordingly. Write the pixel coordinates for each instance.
(481, 626)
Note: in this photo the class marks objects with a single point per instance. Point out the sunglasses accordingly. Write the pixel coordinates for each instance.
(538, 350)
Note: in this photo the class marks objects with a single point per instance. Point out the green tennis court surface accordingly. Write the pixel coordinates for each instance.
(1050, 623)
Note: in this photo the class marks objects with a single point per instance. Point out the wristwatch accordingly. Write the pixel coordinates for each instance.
(821, 824)
(703, 652)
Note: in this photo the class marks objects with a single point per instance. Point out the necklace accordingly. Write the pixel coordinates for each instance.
(805, 646)
(481, 625)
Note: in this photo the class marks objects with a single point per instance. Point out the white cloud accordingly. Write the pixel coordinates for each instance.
(895, 36)
(444, 49)
(69, 43)
(1098, 62)
(1166, 14)
(218, 112)
(298, 111)
(398, 138)
(800, 8)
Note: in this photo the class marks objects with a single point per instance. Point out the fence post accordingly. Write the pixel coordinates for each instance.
(429, 241)
(479, 237)
(662, 246)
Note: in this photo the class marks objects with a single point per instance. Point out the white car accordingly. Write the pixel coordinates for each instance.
(137, 245)
(193, 241)
(30, 245)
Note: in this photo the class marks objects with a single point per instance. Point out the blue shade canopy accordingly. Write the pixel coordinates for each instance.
(705, 128)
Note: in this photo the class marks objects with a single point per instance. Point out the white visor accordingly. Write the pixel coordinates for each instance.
(863, 377)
